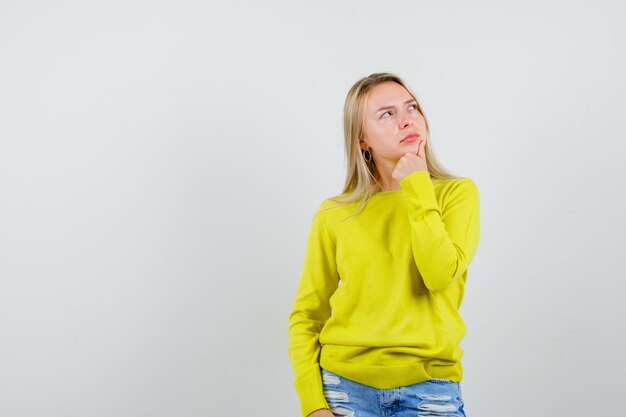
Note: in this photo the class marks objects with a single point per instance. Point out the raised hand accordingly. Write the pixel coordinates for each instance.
(410, 162)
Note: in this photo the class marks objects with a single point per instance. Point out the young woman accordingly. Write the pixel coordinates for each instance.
(375, 326)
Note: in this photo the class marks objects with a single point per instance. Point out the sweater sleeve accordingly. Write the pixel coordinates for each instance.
(311, 309)
(444, 240)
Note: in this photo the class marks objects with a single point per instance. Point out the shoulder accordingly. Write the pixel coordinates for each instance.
(329, 205)
(334, 209)
(457, 188)
(335, 203)
(463, 184)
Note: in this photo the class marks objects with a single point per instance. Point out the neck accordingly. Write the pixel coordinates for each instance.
(385, 180)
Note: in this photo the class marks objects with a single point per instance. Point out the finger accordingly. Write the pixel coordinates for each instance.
(420, 148)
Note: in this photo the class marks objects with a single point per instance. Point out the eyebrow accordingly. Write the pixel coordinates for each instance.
(391, 107)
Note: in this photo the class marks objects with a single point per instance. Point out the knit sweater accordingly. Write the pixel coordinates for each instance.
(379, 293)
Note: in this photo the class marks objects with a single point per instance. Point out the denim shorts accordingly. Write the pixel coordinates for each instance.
(434, 397)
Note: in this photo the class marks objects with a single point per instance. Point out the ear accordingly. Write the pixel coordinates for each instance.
(363, 145)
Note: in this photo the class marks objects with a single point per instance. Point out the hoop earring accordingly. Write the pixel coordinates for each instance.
(367, 155)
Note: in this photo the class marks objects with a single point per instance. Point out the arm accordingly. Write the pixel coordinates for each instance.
(444, 240)
(311, 309)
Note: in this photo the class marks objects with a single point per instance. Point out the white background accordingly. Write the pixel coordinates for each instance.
(160, 164)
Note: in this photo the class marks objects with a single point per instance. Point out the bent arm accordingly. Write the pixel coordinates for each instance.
(444, 240)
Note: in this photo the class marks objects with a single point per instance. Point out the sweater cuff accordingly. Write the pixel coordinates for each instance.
(419, 188)
(311, 391)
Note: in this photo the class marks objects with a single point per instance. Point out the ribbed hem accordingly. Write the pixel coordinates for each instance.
(393, 376)
(311, 391)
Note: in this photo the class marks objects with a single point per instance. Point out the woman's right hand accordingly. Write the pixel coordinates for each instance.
(322, 412)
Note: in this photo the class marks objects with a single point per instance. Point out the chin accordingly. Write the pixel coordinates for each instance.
(410, 147)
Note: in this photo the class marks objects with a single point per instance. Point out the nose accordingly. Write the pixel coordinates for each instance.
(406, 119)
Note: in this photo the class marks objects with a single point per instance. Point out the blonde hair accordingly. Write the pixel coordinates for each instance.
(361, 175)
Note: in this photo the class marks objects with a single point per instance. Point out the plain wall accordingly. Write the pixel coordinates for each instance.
(160, 164)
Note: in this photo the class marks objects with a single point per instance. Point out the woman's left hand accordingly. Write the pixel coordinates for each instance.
(410, 163)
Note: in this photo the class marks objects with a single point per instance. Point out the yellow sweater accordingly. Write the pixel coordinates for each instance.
(378, 297)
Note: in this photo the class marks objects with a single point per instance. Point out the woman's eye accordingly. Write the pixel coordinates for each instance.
(385, 113)
(414, 105)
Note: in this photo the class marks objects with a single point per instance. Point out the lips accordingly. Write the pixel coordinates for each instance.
(411, 137)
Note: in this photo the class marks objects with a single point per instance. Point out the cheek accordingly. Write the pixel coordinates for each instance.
(378, 132)
(385, 134)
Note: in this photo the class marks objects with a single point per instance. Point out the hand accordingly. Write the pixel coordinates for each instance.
(410, 163)
(322, 412)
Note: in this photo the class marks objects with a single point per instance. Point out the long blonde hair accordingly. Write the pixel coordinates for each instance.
(362, 176)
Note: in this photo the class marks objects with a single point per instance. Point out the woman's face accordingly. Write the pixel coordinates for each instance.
(390, 115)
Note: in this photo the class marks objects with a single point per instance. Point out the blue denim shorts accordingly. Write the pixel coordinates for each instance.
(435, 397)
